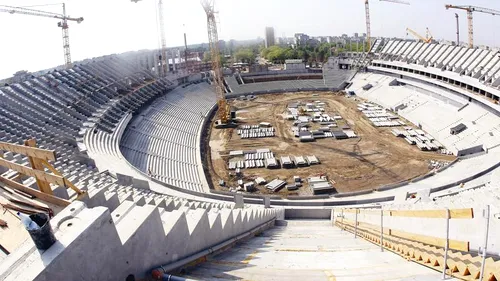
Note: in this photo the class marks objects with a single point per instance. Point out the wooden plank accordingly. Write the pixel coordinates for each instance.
(66, 181)
(40, 195)
(430, 240)
(454, 213)
(367, 226)
(44, 186)
(374, 212)
(29, 151)
(33, 173)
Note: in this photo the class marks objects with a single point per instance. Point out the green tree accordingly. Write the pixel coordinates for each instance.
(207, 56)
(245, 55)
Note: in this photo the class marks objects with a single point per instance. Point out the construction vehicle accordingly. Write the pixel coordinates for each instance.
(63, 24)
(223, 111)
(427, 39)
(470, 10)
(367, 13)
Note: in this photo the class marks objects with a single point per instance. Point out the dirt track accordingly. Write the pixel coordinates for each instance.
(375, 158)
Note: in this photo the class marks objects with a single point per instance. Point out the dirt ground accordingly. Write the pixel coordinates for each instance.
(373, 159)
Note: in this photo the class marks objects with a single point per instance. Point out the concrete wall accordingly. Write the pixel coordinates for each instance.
(308, 213)
(471, 230)
(94, 244)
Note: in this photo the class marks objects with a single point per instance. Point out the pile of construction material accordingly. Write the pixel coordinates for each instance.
(298, 161)
(275, 185)
(262, 130)
(423, 141)
(379, 116)
(257, 158)
(264, 158)
(320, 185)
(305, 135)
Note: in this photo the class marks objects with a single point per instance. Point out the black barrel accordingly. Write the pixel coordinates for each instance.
(43, 237)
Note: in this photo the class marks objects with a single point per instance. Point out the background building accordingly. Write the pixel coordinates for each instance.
(269, 37)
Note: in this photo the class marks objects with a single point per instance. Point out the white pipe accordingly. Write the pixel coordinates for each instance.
(486, 215)
(356, 224)
(210, 250)
(381, 229)
(447, 242)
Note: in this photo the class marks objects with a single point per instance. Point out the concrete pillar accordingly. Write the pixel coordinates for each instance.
(173, 60)
(238, 201)
(267, 202)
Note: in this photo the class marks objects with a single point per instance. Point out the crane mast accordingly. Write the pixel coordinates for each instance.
(213, 40)
(63, 24)
(470, 19)
(164, 67)
(368, 29)
(163, 60)
(368, 23)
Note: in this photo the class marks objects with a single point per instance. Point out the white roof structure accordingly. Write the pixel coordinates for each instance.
(271, 162)
(299, 160)
(275, 184)
(312, 159)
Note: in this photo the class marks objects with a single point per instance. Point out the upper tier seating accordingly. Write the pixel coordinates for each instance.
(448, 110)
(58, 108)
(475, 70)
(163, 140)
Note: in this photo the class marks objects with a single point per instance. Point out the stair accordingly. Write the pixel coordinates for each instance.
(136, 238)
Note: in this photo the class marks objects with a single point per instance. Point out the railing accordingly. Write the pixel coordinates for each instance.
(436, 250)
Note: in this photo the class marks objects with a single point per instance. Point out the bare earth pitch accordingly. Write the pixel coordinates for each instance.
(373, 159)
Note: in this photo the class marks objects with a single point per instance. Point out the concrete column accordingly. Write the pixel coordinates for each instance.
(267, 202)
(173, 59)
(238, 201)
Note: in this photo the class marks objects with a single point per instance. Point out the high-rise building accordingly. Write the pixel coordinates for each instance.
(269, 37)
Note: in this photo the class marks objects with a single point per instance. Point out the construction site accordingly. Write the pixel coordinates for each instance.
(371, 159)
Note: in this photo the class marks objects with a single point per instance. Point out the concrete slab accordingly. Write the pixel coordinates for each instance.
(309, 250)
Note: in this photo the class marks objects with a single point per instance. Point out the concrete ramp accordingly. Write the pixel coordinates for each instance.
(308, 250)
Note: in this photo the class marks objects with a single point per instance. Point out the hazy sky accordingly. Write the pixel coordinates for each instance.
(115, 26)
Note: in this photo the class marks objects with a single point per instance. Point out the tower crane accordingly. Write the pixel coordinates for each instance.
(470, 10)
(367, 12)
(427, 39)
(213, 40)
(63, 24)
(163, 41)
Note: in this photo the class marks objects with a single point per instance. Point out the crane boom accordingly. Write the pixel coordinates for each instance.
(31, 12)
(63, 24)
(213, 39)
(426, 39)
(470, 10)
(397, 1)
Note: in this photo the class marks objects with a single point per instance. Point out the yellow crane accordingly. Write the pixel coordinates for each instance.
(367, 13)
(213, 40)
(470, 10)
(164, 67)
(427, 39)
(63, 24)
